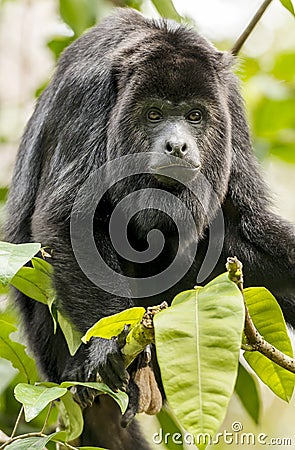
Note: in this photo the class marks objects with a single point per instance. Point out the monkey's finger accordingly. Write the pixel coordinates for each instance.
(115, 379)
(85, 396)
(118, 368)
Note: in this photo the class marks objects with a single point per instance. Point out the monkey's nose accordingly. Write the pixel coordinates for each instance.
(178, 149)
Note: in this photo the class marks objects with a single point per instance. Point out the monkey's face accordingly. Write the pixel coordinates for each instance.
(173, 131)
(175, 109)
(174, 106)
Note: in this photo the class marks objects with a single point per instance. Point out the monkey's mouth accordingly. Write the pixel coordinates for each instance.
(173, 173)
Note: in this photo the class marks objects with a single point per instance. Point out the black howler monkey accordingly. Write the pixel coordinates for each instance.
(155, 90)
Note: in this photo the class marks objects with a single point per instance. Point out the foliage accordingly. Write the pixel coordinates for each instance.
(114, 325)
(200, 368)
(269, 86)
(269, 321)
(15, 353)
(79, 15)
(13, 257)
(288, 5)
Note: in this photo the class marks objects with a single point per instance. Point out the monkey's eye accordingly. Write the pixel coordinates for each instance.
(154, 115)
(194, 116)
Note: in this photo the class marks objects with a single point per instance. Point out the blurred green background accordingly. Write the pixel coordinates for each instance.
(32, 35)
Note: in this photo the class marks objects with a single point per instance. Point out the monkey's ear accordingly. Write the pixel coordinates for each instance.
(223, 61)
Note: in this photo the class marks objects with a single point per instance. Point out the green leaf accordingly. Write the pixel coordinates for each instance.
(270, 125)
(34, 443)
(42, 266)
(36, 281)
(120, 397)
(58, 44)
(41, 88)
(71, 416)
(78, 14)
(7, 374)
(168, 427)
(3, 193)
(71, 334)
(166, 9)
(198, 342)
(15, 352)
(285, 152)
(284, 66)
(13, 257)
(288, 5)
(36, 398)
(136, 4)
(247, 390)
(269, 321)
(113, 325)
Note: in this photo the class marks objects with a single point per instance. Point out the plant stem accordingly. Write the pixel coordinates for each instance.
(248, 30)
(22, 436)
(17, 421)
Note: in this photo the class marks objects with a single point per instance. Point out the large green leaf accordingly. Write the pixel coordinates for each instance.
(15, 352)
(13, 257)
(71, 416)
(34, 443)
(198, 341)
(113, 325)
(36, 398)
(247, 391)
(35, 282)
(269, 321)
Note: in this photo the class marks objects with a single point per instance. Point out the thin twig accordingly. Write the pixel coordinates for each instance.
(254, 338)
(17, 421)
(22, 436)
(248, 30)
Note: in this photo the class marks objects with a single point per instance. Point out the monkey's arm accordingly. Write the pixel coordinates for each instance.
(83, 303)
(266, 246)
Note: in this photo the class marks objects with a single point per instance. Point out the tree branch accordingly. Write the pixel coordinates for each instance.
(141, 335)
(22, 436)
(254, 338)
(248, 30)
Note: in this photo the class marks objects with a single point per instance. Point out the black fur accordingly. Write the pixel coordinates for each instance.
(94, 110)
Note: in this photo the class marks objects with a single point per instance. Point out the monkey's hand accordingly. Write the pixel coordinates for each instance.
(102, 362)
(106, 361)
